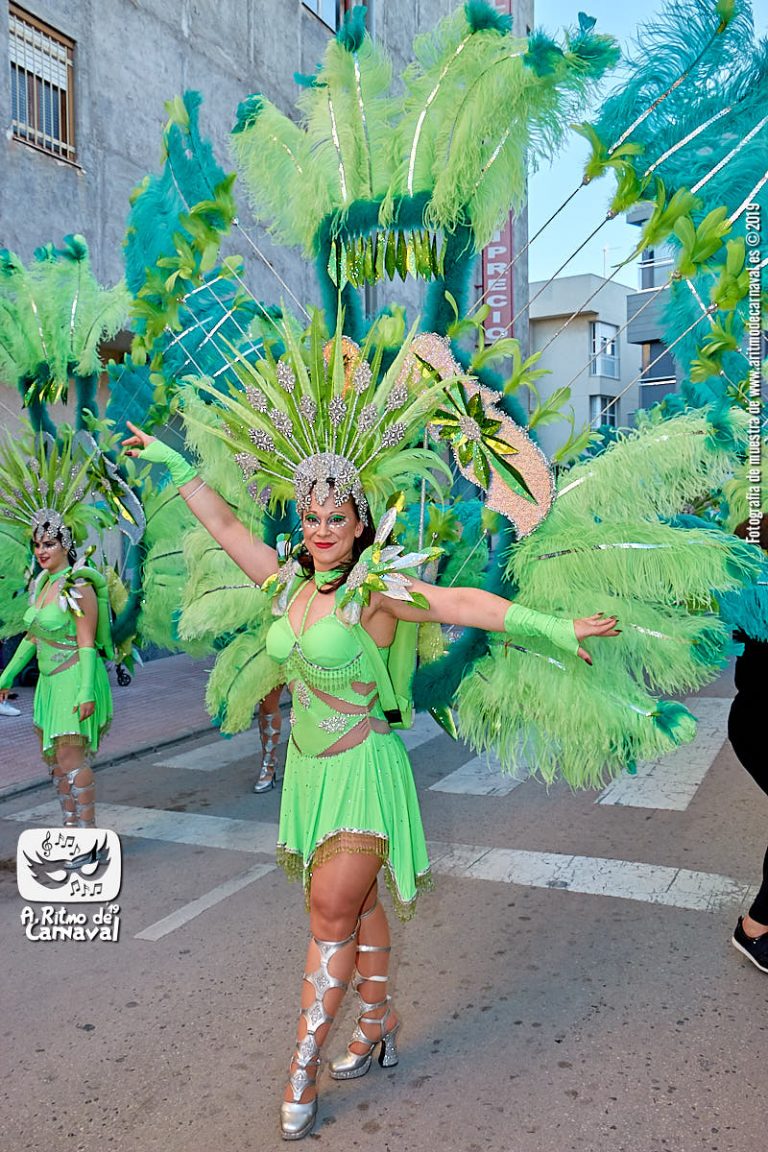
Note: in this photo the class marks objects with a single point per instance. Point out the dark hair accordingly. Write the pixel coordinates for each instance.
(43, 530)
(742, 531)
(359, 545)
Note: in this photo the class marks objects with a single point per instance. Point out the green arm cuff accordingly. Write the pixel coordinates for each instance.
(180, 469)
(17, 663)
(88, 659)
(520, 621)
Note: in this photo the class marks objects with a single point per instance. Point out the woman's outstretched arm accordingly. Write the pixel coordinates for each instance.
(252, 555)
(476, 608)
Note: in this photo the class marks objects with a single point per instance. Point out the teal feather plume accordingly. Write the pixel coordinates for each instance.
(190, 176)
(482, 16)
(678, 51)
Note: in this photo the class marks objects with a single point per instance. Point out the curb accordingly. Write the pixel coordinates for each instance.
(22, 786)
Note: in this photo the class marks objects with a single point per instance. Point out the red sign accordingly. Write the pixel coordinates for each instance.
(497, 282)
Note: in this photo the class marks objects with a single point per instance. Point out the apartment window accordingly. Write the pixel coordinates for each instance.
(42, 96)
(658, 363)
(605, 350)
(603, 410)
(656, 264)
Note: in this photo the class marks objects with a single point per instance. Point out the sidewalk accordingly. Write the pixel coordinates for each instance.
(164, 703)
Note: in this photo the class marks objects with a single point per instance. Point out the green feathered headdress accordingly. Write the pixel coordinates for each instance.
(63, 487)
(326, 412)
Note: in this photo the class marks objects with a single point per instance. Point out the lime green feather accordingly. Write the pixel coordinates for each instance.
(241, 677)
(655, 470)
(645, 561)
(446, 59)
(359, 82)
(283, 182)
(506, 117)
(347, 115)
(204, 434)
(63, 315)
(164, 572)
(14, 548)
(594, 731)
(737, 489)
(218, 599)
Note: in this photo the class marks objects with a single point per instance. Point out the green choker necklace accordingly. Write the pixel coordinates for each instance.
(323, 578)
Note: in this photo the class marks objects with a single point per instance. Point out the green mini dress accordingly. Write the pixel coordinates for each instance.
(58, 686)
(348, 783)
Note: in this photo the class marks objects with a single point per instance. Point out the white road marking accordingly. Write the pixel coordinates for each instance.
(221, 753)
(671, 782)
(172, 827)
(189, 911)
(596, 876)
(423, 730)
(479, 777)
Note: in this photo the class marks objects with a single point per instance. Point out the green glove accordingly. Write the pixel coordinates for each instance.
(159, 453)
(520, 621)
(18, 663)
(88, 660)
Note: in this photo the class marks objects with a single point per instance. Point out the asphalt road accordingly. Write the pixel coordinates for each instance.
(569, 986)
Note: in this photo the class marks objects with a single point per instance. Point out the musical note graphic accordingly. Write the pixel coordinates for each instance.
(46, 845)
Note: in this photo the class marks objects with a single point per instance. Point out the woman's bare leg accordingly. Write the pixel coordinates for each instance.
(337, 896)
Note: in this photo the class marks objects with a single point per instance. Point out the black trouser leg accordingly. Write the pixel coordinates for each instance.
(744, 732)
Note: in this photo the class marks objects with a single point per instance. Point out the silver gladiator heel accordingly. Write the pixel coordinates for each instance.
(61, 783)
(67, 790)
(77, 793)
(269, 732)
(352, 1065)
(297, 1119)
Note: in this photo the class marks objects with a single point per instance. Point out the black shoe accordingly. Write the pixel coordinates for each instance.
(754, 950)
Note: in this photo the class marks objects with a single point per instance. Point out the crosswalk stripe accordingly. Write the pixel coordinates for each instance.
(220, 753)
(597, 876)
(481, 776)
(672, 781)
(591, 875)
(189, 911)
(172, 827)
(423, 729)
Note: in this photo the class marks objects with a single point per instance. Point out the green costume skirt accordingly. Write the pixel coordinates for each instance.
(55, 716)
(362, 800)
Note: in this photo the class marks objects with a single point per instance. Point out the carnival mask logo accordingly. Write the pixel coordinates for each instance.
(68, 864)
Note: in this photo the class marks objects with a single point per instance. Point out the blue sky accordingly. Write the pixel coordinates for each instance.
(550, 186)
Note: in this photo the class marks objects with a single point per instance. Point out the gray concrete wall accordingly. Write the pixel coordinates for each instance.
(132, 56)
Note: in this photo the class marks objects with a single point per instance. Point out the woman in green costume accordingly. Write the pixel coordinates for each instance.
(68, 630)
(349, 802)
(47, 492)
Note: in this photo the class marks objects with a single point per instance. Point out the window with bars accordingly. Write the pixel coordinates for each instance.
(605, 350)
(603, 410)
(42, 83)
